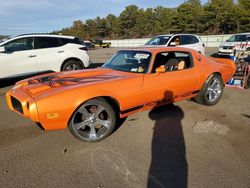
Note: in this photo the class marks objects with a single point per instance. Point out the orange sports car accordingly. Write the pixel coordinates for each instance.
(90, 102)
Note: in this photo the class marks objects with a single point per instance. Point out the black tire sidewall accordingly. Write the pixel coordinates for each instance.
(110, 110)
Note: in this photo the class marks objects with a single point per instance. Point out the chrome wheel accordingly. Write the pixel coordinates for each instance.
(211, 91)
(214, 89)
(72, 67)
(93, 121)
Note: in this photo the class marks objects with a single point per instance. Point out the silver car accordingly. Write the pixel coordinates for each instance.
(227, 48)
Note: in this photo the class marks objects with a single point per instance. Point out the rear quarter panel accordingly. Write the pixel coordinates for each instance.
(226, 67)
(208, 65)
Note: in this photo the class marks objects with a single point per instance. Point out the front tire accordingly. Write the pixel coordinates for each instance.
(93, 121)
(211, 92)
(72, 65)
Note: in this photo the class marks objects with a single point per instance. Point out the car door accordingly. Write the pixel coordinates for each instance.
(19, 58)
(170, 86)
(50, 53)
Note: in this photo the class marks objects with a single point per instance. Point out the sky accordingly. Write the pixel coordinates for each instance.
(42, 16)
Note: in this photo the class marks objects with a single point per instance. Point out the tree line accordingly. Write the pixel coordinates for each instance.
(214, 17)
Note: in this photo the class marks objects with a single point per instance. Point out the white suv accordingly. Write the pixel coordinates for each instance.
(33, 53)
(227, 48)
(180, 40)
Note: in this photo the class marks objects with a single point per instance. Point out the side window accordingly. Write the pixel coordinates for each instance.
(173, 61)
(248, 38)
(20, 45)
(188, 39)
(241, 38)
(176, 40)
(47, 42)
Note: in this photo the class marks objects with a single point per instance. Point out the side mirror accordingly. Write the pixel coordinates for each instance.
(227, 40)
(2, 49)
(172, 44)
(160, 69)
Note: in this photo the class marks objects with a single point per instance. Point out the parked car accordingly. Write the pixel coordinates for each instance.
(90, 102)
(241, 77)
(227, 48)
(89, 44)
(100, 43)
(180, 40)
(33, 53)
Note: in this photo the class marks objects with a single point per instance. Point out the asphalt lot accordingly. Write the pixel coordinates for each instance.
(179, 145)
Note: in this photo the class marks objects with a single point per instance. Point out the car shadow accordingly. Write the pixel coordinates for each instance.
(95, 65)
(119, 123)
(245, 115)
(168, 166)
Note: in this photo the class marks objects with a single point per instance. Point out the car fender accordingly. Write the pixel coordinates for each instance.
(53, 117)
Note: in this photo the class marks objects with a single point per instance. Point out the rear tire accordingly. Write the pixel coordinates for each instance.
(211, 91)
(72, 65)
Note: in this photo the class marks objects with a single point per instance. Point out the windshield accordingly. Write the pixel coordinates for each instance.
(239, 38)
(159, 40)
(129, 61)
(4, 39)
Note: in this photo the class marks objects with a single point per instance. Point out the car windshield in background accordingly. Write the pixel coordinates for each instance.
(4, 39)
(239, 38)
(129, 61)
(159, 40)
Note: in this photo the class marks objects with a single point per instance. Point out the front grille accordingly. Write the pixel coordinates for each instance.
(16, 104)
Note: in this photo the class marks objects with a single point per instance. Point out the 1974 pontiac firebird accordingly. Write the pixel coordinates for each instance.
(90, 102)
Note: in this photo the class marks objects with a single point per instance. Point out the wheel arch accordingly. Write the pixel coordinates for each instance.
(69, 59)
(214, 73)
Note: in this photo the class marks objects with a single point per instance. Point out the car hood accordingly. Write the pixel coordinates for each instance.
(72, 79)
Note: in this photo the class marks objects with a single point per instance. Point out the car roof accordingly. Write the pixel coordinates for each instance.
(170, 35)
(42, 35)
(48, 35)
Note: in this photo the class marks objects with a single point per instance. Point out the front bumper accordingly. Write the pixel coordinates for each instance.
(20, 102)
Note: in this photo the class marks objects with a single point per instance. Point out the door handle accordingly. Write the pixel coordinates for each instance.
(60, 51)
(30, 56)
